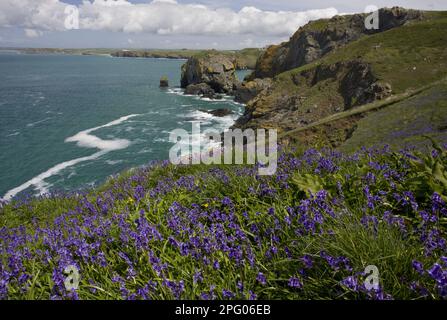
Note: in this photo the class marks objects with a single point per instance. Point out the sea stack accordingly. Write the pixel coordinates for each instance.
(164, 82)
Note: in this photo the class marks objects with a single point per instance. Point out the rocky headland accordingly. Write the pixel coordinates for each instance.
(332, 67)
(209, 74)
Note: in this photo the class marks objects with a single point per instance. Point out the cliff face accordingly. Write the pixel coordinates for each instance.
(321, 83)
(248, 90)
(318, 38)
(215, 70)
(302, 97)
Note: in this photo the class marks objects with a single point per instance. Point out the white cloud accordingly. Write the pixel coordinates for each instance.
(163, 17)
(31, 33)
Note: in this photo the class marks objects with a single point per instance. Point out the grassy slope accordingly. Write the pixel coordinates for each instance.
(246, 58)
(405, 123)
(408, 58)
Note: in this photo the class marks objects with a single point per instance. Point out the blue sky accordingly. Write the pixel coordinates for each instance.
(222, 24)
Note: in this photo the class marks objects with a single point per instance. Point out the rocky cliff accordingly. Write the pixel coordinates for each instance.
(217, 71)
(300, 98)
(332, 67)
(318, 38)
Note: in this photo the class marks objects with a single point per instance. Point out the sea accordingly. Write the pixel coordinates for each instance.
(69, 123)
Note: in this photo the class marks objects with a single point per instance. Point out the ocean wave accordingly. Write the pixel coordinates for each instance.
(145, 150)
(83, 139)
(200, 115)
(205, 118)
(86, 140)
(211, 100)
(39, 181)
(13, 134)
(113, 162)
(32, 124)
(177, 91)
(163, 140)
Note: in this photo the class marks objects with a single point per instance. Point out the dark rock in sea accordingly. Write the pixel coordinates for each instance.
(219, 112)
(200, 89)
(164, 82)
(214, 69)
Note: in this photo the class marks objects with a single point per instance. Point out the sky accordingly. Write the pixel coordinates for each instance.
(170, 24)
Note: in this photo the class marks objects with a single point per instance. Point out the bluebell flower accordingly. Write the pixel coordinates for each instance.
(227, 294)
(350, 283)
(261, 278)
(294, 282)
(418, 267)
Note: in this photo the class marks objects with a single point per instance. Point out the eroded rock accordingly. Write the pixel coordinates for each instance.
(219, 112)
(213, 69)
(318, 38)
(248, 90)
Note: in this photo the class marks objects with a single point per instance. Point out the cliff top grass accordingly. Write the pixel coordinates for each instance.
(408, 58)
(407, 122)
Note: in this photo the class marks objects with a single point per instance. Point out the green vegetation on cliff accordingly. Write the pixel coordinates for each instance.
(374, 67)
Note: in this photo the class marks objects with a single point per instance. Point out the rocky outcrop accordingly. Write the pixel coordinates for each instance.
(199, 89)
(303, 97)
(247, 90)
(215, 70)
(164, 82)
(203, 90)
(219, 112)
(318, 38)
(356, 81)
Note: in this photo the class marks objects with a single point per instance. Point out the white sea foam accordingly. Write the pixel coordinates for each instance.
(220, 123)
(86, 140)
(39, 181)
(211, 100)
(32, 124)
(83, 139)
(200, 115)
(238, 103)
(13, 134)
(161, 140)
(113, 162)
(145, 150)
(177, 91)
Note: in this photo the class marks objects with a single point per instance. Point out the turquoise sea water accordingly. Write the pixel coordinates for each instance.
(69, 122)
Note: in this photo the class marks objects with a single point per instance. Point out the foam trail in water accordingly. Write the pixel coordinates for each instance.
(86, 140)
(83, 139)
(39, 181)
(37, 122)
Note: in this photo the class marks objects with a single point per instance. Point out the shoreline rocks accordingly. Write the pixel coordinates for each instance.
(203, 90)
(219, 112)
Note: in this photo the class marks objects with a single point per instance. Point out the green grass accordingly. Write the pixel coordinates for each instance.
(404, 123)
(409, 58)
